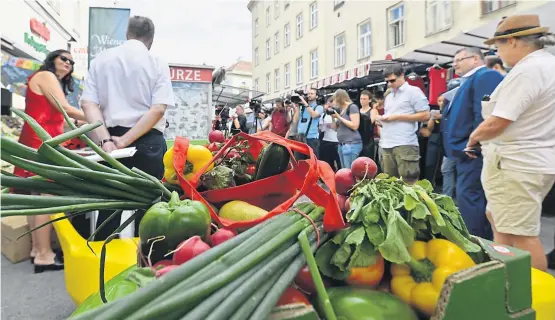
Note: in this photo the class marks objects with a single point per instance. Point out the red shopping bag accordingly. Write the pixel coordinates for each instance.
(275, 194)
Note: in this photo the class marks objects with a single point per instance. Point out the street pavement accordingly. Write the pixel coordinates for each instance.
(29, 296)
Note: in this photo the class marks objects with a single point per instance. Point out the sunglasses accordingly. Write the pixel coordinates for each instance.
(391, 80)
(66, 59)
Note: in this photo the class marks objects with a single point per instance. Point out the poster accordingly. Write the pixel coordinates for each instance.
(107, 29)
(190, 117)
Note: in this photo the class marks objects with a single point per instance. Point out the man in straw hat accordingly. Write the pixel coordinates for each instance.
(517, 135)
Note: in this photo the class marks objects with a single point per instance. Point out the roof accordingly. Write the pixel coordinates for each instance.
(241, 66)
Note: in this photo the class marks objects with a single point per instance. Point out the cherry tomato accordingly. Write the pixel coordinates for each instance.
(213, 147)
(291, 296)
(370, 276)
(304, 281)
(251, 169)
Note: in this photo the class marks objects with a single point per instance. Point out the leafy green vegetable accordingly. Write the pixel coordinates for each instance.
(141, 276)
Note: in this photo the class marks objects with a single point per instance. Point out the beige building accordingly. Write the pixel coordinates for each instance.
(301, 44)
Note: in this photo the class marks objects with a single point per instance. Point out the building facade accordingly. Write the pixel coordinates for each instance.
(239, 75)
(300, 43)
(31, 29)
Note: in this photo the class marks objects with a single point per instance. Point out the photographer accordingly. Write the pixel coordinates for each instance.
(280, 119)
(308, 117)
(292, 109)
(263, 121)
(347, 122)
(239, 123)
(328, 137)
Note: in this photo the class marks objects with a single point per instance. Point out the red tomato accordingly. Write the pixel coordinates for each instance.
(251, 170)
(304, 280)
(232, 154)
(370, 276)
(291, 296)
(213, 147)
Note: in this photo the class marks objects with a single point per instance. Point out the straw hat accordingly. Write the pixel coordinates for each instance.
(517, 26)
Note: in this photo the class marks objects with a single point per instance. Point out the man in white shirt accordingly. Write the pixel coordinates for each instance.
(128, 89)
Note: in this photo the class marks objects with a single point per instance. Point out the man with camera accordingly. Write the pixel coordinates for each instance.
(239, 123)
(308, 117)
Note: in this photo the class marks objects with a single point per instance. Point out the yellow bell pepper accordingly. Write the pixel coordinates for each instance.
(197, 157)
(419, 282)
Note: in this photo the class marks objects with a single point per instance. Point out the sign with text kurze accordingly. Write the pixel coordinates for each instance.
(107, 29)
(190, 74)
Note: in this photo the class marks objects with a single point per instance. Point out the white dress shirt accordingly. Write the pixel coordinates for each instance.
(126, 81)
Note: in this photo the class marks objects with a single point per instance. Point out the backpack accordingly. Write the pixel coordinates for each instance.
(280, 126)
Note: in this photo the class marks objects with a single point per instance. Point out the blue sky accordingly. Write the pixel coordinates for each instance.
(214, 32)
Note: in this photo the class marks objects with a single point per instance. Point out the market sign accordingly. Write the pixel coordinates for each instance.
(188, 74)
(39, 29)
(39, 47)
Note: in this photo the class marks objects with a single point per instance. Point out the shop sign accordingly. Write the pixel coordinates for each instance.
(188, 74)
(39, 29)
(39, 47)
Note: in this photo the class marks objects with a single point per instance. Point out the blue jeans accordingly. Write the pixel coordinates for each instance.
(348, 152)
(449, 172)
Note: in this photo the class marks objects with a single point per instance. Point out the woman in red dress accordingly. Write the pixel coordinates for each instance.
(53, 78)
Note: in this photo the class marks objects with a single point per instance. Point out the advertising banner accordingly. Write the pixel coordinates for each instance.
(107, 29)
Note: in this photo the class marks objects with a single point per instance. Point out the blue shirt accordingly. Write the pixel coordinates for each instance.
(405, 100)
(313, 131)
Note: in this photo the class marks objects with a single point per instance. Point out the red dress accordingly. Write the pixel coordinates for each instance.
(47, 115)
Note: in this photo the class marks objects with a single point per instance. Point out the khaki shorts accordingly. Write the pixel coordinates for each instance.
(514, 198)
(402, 161)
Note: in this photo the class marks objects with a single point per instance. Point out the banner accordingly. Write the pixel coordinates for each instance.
(107, 29)
(15, 72)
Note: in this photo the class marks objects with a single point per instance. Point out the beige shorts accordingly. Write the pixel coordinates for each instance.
(514, 198)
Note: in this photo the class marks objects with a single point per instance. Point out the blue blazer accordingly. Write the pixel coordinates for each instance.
(464, 113)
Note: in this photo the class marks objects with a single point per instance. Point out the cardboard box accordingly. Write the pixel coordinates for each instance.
(13, 249)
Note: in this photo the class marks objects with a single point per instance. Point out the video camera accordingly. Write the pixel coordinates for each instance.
(296, 97)
(256, 106)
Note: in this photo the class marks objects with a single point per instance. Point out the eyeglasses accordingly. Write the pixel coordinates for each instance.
(391, 80)
(66, 59)
(461, 59)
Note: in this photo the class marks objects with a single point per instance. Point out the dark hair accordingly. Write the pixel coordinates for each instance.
(315, 90)
(396, 70)
(49, 65)
(366, 93)
(330, 99)
(473, 51)
(492, 61)
(140, 28)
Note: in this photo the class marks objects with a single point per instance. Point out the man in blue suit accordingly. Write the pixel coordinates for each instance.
(463, 115)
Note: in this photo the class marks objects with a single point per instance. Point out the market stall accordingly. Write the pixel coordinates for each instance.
(227, 235)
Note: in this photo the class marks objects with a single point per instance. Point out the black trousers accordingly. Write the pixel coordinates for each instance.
(149, 158)
(329, 154)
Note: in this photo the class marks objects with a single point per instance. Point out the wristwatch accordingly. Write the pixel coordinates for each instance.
(105, 141)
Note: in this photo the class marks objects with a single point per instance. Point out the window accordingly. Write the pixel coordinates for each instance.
(396, 22)
(287, 35)
(55, 4)
(267, 16)
(314, 64)
(364, 40)
(299, 25)
(313, 15)
(338, 4)
(494, 5)
(438, 15)
(256, 57)
(287, 3)
(300, 70)
(255, 27)
(286, 75)
(268, 83)
(276, 43)
(268, 52)
(256, 85)
(276, 9)
(340, 51)
(276, 80)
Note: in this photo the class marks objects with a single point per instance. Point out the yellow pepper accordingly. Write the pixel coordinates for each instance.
(197, 157)
(419, 282)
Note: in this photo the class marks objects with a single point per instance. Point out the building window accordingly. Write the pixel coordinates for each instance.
(396, 22)
(300, 70)
(494, 5)
(364, 40)
(268, 83)
(338, 4)
(313, 15)
(438, 15)
(299, 25)
(276, 80)
(314, 64)
(276, 43)
(256, 57)
(287, 35)
(340, 51)
(255, 27)
(286, 75)
(55, 4)
(268, 16)
(286, 4)
(268, 52)
(256, 85)
(276, 9)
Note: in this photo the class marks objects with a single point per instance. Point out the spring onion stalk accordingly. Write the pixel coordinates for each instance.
(41, 133)
(87, 206)
(248, 306)
(73, 134)
(19, 149)
(36, 185)
(56, 157)
(165, 190)
(31, 200)
(93, 165)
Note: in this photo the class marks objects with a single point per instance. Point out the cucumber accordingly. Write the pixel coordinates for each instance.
(273, 160)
